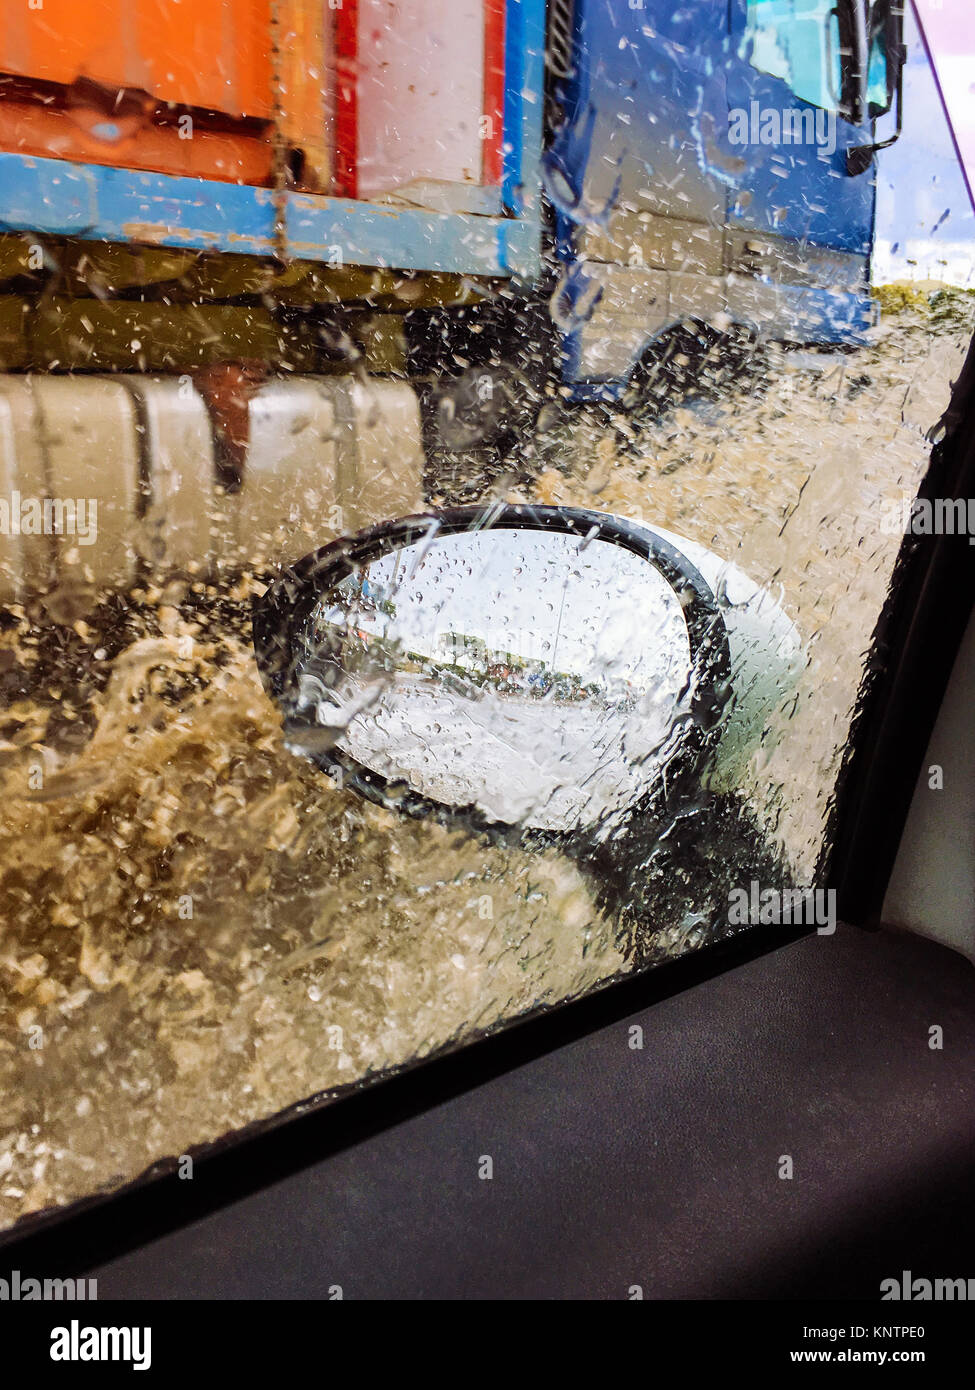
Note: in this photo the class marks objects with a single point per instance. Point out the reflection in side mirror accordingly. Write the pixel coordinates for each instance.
(540, 667)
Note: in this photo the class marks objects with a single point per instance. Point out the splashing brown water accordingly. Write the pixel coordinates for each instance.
(205, 930)
(199, 929)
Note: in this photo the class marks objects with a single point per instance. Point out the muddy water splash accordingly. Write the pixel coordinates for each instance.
(199, 929)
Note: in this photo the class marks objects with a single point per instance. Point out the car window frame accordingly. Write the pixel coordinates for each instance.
(918, 636)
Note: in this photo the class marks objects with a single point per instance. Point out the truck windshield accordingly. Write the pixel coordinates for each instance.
(800, 42)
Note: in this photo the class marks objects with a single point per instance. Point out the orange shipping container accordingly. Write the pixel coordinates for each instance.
(203, 53)
(108, 80)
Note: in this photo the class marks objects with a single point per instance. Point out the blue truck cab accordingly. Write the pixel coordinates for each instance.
(660, 163)
(712, 162)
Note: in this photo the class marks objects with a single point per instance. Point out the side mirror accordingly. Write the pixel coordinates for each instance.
(545, 668)
(887, 55)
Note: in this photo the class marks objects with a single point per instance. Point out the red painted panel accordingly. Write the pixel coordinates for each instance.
(492, 160)
(346, 49)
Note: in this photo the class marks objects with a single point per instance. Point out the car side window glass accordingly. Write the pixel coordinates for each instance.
(641, 277)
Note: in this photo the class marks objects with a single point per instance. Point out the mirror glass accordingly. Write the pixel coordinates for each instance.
(537, 677)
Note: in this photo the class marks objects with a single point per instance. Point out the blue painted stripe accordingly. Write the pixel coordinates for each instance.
(100, 203)
(524, 109)
(511, 140)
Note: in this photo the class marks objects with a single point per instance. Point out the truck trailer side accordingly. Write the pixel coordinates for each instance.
(254, 259)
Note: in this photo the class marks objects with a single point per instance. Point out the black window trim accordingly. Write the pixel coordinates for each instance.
(915, 643)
